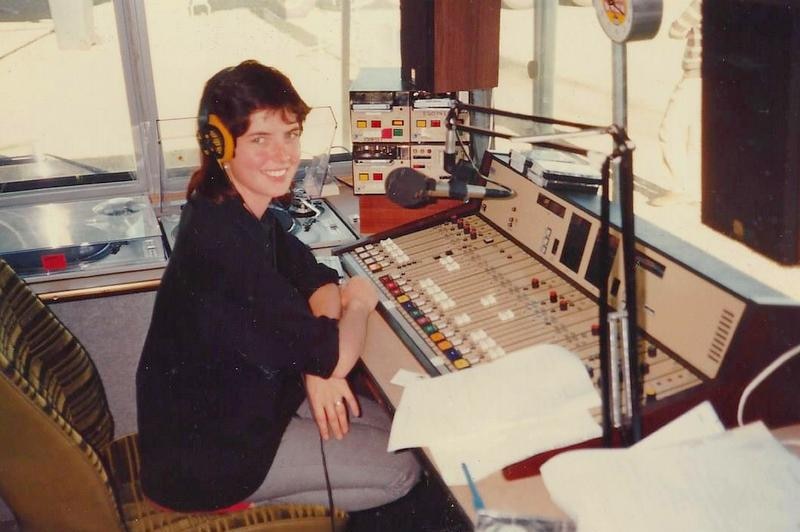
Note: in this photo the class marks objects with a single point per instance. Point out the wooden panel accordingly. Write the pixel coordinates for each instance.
(466, 44)
(450, 45)
(377, 213)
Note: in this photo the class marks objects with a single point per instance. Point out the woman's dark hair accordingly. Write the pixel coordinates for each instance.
(233, 94)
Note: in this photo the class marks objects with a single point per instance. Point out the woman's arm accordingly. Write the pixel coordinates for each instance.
(352, 306)
(327, 397)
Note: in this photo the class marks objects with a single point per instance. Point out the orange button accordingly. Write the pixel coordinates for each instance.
(444, 346)
(437, 337)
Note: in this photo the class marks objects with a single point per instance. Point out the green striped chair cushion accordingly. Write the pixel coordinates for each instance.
(122, 459)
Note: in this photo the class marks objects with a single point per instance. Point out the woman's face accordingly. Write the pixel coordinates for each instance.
(266, 158)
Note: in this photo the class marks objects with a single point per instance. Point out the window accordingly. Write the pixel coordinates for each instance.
(663, 111)
(64, 105)
(192, 40)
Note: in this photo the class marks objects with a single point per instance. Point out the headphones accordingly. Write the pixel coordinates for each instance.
(214, 138)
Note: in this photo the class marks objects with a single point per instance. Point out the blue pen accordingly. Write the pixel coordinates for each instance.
(477, 502)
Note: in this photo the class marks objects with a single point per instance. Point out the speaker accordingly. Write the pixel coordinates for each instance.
(751, 124)
(450, 45)
(214, 138)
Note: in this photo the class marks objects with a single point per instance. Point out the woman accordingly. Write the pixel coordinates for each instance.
(247, 324)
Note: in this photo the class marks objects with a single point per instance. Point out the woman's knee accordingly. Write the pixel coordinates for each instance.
(407, 473)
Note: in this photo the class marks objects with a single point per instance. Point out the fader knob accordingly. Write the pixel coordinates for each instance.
(652, 351)
(649, 394)
(534, 282)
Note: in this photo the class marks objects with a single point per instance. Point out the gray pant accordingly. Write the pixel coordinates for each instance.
(362, 473)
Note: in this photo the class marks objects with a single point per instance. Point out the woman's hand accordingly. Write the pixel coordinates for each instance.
(361, 290)
(330, 400)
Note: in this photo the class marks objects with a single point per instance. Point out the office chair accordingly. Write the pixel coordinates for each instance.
(60, 469)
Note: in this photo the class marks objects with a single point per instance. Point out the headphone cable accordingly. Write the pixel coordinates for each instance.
(327, 483)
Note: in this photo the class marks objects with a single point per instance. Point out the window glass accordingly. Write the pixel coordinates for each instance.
(663, 110)
(190, 40)
(64, 105)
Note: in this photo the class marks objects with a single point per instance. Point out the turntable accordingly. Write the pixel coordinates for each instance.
(313, 221)
(81, 238)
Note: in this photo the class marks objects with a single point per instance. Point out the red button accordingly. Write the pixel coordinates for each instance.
(386, 133)
(376, 123)
(436, 123)
(54, 261)
(377, 176)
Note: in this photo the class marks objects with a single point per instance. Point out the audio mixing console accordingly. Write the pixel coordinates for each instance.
(472, 284)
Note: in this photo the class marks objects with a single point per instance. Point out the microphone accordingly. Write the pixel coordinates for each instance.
(450, 142)
(409, 188)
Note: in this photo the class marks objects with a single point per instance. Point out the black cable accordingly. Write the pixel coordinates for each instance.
(605, 252)
(327, 483)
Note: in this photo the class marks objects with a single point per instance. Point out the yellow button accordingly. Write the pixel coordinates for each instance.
(461, 363)
(363, 177)
(361, 124)
(437, 337)
(403, 298)
(422, 123)
(444, 346)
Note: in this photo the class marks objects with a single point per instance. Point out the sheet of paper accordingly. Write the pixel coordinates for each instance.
(699, 422)
(740, 480)
(485, 453)
(495, 414)
(403, 377)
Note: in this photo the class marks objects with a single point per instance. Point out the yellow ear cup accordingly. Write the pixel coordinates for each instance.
(215, 139)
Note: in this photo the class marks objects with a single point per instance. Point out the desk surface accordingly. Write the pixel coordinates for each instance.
(384, 355)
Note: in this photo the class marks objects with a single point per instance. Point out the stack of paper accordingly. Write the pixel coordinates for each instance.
(691, 475)
(492, 415)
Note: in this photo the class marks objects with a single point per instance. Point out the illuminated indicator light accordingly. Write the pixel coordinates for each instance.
(418, 166)
(422, 123)
(436, 123)
(386, 279)
(54, 261)
(376, 123)
(398, 132)
(461, 363)
(403, 298)
(444, 346)
(377, 176)
(436, 337)
(396, 292)
(398, 122)
(363, 176)
(361, 124)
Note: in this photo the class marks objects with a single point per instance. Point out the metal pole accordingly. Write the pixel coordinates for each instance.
(345, 119)
(544, 53)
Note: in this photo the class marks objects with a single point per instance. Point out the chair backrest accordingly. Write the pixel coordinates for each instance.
(54, 420)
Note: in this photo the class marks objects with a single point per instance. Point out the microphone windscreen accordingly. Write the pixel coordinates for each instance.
(407, 187)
